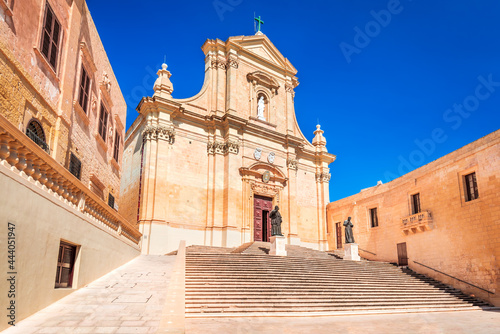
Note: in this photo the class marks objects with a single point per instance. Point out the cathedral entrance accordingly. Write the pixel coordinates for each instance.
(262, 224)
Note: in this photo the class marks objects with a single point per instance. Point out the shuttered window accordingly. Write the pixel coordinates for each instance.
(83, 98)
(111, 201)
(471, 191)
(415, 204)
(50, 37)
(65, 265)
(75, 166)
(103, 122)
(116, 150)
(373, 217)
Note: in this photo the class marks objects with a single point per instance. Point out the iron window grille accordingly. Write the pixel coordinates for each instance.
(34, 131)
(75, 166)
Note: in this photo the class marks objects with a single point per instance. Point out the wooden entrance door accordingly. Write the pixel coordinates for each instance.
(402, 254)
(262, 224)
(338, 228)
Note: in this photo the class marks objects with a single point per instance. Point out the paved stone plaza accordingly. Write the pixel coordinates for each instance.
(467, 322)
(131, 298)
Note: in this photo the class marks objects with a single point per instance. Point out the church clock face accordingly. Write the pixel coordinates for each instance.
(266, 176)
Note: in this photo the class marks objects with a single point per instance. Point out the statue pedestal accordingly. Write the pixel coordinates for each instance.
(351, 252)
(278, 243)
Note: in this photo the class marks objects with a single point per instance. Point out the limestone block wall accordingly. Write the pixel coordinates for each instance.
(32, 88)
(41, 222)
(462, 238)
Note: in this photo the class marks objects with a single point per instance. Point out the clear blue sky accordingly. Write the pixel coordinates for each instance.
(386, 79)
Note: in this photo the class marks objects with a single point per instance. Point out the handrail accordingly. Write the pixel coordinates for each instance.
(458, 279)
(20, 152)
(366, 251)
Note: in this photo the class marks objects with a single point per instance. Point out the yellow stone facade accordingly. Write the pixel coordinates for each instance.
(31, 88)
(451, 235)
(193, 166)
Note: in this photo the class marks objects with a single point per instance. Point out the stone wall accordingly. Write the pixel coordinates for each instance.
(458, 237)
(41, 221)
(31, 88)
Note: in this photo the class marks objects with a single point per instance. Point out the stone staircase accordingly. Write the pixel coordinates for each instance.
(247, 281)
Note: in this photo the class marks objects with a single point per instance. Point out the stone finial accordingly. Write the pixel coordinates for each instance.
(163, 86)
(319, 140)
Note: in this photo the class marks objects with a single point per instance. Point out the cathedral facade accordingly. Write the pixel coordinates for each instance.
(209, 169)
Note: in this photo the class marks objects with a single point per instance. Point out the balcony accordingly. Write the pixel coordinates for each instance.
(419, 222)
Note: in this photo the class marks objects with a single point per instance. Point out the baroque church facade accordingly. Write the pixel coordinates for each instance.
(209, 169)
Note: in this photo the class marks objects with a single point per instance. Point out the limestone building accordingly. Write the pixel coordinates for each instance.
(209, 169)
(62, 119)
(441, 219)
(58, 87)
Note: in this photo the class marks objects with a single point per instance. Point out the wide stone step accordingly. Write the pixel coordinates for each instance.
(318, 300)
(191, 312)
(278, 283)
(263, 276)
(313, 293)
(289, 305)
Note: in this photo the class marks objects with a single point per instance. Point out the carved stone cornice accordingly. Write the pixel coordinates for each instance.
(158, 132)
(232, 61)
(323, 177)
(263, 79)
(291, 164)
(218, 147)
(265, 189)
(219, 63)
(289, 89)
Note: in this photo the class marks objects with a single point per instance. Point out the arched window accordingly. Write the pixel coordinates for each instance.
(35, 132)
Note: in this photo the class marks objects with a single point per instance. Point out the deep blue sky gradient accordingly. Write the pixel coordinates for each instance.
(393, 94)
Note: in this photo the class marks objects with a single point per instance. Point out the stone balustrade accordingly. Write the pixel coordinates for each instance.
(23, 156)
(418, 222)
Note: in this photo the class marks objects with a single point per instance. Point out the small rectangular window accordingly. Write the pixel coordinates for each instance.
(116, 150)
(50, 37)
(111, 201)
(373, 217)
(415, 204)
(470, 185)
(75, 166)
(83, 98)
(65, 265)
(103, 122)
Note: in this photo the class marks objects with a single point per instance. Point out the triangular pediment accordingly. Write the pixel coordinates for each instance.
(262, 48)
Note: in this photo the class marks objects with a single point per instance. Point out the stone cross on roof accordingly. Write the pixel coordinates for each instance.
(260, 22)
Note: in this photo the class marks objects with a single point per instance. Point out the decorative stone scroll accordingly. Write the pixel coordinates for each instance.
(232, 62)
(159, 132)
(291, 164)
(323, 177)
(217, 147)
(219, 63)
(265, 190)
(289, 89)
